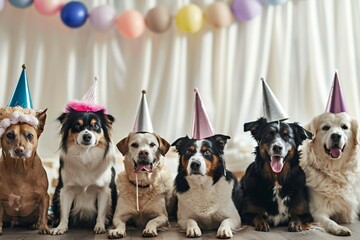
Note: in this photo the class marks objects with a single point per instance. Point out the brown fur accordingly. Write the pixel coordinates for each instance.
(23, 181)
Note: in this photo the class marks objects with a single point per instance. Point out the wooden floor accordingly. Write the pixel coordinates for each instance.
(279, 233)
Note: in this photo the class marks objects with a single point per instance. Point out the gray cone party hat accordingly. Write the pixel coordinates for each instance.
(143, 121)
(273, 111)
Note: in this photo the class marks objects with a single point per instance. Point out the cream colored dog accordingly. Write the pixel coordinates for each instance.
(143, 160)
(330, 163)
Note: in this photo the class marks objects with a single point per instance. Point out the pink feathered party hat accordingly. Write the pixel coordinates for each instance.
(336, 103)
(202, 127)
(88, 101)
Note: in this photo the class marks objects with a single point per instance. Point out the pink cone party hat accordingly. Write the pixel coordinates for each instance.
(336, 103)
(143, 121)
(273, 111)
(88, 101)
(202, 127)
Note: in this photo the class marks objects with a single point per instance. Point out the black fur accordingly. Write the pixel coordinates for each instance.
(216, 144)
(67, 121)
(259, 180)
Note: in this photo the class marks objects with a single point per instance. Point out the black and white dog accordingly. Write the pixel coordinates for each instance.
(274, 185)
(86, 192)
(209, 196)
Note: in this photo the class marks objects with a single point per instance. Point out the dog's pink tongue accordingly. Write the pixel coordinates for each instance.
(335, 152)
(143, 168)
(277, 164)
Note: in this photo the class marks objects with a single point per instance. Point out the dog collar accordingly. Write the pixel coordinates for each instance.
(140, 185)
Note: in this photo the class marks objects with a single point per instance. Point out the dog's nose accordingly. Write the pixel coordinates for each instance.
(19, 151)
(277, 148)
(335, 137)
(195, 165)
(87, 137)
(143, 154)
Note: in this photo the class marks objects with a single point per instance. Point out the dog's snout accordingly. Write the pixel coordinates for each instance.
(195, 165)
(19, 151)
(143, 154)
(87, 137)
(277, 148)
(335, 137)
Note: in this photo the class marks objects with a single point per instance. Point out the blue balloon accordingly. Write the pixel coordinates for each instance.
(21, 3)
(74, 14)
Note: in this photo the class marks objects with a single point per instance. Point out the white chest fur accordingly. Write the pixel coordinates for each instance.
(206, 203)
(283, 215)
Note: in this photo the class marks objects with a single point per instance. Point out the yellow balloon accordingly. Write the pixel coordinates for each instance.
(189, 18)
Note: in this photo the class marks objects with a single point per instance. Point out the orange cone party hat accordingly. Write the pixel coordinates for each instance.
(143, 121)
(336, 103)
(202, 127)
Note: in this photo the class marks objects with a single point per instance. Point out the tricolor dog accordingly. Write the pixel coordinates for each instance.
(86, 192)
(209, 196)
(274, 184)
(145, 187)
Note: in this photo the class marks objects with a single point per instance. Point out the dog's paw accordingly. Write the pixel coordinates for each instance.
(224, 232)
(98, 229)
(58, 231)
(43, 230)
(149, 231)
(193, 232)
(116, 233)
(262, 226)
(294, 226)
(340, 231)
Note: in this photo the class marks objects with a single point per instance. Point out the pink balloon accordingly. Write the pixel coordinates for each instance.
(130, 24)
(2, 5)
(102, 18)
(48, 7)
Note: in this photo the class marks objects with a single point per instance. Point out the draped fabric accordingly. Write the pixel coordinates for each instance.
(296, 47)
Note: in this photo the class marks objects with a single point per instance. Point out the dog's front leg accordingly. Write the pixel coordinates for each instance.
(103, 201)
(331, 226)
(120, 218)
(1, 216)
(151, 227)
(66, 200)
(43, 213)
(226, 227)
(191, 226)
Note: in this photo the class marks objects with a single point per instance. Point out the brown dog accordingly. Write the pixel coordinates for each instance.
(23, 180)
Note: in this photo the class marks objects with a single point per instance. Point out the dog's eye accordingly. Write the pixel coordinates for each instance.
(134, 145)
(152, 144)
(77, 127)
(30, 136)
(188, 152)
(96, 127)
(345, 127)
(207, 153)
(286, 136)
(326, 127)
(10, 136)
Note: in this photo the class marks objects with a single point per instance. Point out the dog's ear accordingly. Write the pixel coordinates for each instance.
(41, 116)
(300, 134)
(109, 119)
(220, 141)
(355, 131)
(62, 117)
(255, 127)
(164, 145)
(123, 145)
(179, 143)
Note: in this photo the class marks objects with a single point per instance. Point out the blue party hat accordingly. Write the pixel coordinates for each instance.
(21, 96)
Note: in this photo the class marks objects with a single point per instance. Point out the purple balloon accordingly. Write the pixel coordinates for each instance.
(102, 18)
(2, 4)
(244, 10)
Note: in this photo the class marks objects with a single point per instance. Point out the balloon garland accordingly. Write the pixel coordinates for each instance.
(131, 23)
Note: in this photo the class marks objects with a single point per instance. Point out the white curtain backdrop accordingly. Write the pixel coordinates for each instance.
(296, 47)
